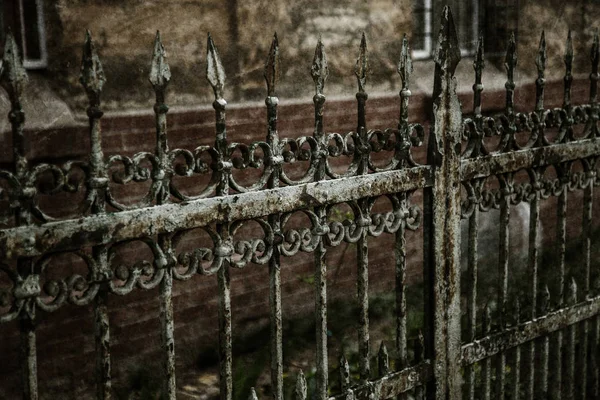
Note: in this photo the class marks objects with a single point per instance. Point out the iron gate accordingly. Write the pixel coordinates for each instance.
(546, 348)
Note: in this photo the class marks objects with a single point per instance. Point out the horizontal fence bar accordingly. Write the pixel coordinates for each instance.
(502, 341)
(501, 163)
(94, 230)
(143, 222)
(391, 384)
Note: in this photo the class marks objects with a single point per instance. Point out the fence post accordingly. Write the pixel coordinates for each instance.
(442, 222)
(13, 79)
(92, 79)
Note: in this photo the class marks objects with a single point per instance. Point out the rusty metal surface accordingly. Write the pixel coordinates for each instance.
(514, 336)
(547, 337)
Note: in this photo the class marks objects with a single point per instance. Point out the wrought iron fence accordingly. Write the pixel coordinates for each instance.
(451, 360)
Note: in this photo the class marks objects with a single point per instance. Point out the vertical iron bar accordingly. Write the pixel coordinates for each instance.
(13, 80)
(572, 332)
(503, 281)
(362, 249)
(486, 370)
(478, 66)
(587, 232)
(216, 77)
(584, 341)
(419, 357)
(533, 275)
(160, 76)
(561, 232)
(516, 384)
(472, 294)
(443, 216)
(545, 341)
(92, 78)
(405, 70)
(319, 72)
(588, 196)
(506, 187)
(272, 72)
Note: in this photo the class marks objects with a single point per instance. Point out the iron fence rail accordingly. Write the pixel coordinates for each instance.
(460, 157)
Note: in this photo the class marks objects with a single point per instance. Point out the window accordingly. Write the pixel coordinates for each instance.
(25, 19)
(495, 19)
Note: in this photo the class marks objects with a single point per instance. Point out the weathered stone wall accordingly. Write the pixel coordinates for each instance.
(124, 32)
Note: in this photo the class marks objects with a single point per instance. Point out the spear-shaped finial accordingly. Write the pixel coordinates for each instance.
(573, 291)
(160, 74)
(479, 62)
(569, 54)
(517, 311)
(344, 373)
(510, 63)
(447, 54)
(545, 300)
(252, 395)
(362, 64)
(92, 75)
(595, 57)
(13, 77)
(383, 360)
(420, 347)
(319, 70)
(487, 319)
(595, 53)
(540, 60)
(215, 74)
(510, 60)
(405, 67)
(478, 65)
(300, 390)
(272, 67)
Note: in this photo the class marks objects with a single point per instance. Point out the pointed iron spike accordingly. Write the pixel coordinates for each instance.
(479, 62)
(92, 75)
(510, 60)
(545, 299)
(344, 373)
(383, 359)
(362, 64)
(300, 390)
(272, 67)
(405, 67)
(447, 53)
(595, 54)
(215, 74)
(252, 395)
(160, 74)
(13, 77)
(541, 58)
(419, 347)
(569, 53)
(517, 311)
(487, 319)
(573, 291)
(319, 70)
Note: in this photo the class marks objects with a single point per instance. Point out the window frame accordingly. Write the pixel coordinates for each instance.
(15, 20)
(428, 10)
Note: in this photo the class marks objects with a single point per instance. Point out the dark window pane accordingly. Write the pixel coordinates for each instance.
(22, 18)
(418, 33)
(498, 19)
(32, 30)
